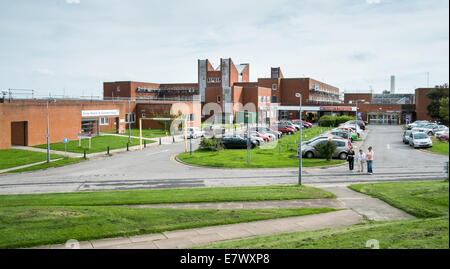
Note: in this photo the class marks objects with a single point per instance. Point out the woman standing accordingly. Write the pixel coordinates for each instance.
(369, 161)
(351, 158)
(361, 158)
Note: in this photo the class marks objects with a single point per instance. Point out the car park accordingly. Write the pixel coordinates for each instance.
(444, 136)
(265, 130)
(284, 129)
(290, 124)
(416, 123)
(420, 140)
(342, 134)
(194, 132)
(440, 129)
(305, 123)
(237, 142)
(358, 122)
(342, 146)
(265, 138)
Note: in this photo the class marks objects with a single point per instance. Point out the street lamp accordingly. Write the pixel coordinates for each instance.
(52, 100)
(298, 95)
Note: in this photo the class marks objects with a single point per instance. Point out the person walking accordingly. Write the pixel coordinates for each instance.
(351, 158)
(370, 161)
(361, 158)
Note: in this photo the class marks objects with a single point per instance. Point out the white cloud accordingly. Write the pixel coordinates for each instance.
(373, 1)
(73, 1)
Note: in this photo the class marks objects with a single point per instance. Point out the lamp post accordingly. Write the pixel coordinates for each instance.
(298, 95)
(48, 128)
(129, 121)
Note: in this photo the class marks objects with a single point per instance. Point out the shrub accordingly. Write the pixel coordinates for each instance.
(326, 150)
(211, 144)
(333, 121)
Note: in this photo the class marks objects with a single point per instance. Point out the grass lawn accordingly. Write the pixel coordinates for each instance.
(17, 157)
(58, 163)
(159, 196)
(428, 200)
(439, 147)
(148, 133)
(423, 199)
(35, 226)
(98, 144)
(260, 157)
(38, 219)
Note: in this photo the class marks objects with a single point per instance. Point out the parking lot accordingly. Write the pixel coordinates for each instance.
(155, 167)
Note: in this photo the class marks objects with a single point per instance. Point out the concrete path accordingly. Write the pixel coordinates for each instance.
(25, 166)
(357, 207)
(372, 208)
(201, 236)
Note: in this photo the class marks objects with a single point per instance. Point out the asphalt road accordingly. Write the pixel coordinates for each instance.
(155, 167)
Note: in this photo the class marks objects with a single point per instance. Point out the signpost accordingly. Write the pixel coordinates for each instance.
(65, 141)
(300, 155)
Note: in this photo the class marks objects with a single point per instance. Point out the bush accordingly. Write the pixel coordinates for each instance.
(211, 144)
(333, 121)
(326, 150)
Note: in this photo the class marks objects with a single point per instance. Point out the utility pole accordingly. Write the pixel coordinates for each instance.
(300, 153)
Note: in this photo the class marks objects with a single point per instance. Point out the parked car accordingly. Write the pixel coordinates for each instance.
(444, 136)
(265, 130)
(194, 132)
(342, 134)
(354, 127)
(213, 130)
(420, 140)
(342, 146)
(406, 135)
(237, 142)
(290, 124)
(257, 140)
(266, 138)
(359, 123)
(440, 129)
(305, 123)
(416, 123)
(284, 129)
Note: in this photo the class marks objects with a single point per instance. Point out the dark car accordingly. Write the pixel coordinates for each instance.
(360, 123)
(236, 142)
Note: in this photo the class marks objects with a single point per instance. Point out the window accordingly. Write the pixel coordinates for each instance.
(274, 87)
(190, 117)
(130, 118)
(143, 115)
(218, 98)
(274, 99)
(118, 88)
(213, 80)
(104, 121)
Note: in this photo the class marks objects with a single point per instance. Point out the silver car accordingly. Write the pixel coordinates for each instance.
(342, 147)
(406, 135)
(420, 140)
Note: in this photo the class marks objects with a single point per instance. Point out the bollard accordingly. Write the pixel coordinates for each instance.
(127, 147)
(160, 141)
(107, 150)
(145, 143)
(173, 139)
(84, 155)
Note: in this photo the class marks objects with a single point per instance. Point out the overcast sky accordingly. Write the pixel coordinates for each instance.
(73, 46)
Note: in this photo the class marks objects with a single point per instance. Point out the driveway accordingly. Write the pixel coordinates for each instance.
(154, 167)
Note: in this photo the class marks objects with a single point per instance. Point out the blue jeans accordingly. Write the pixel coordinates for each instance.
(369, 166)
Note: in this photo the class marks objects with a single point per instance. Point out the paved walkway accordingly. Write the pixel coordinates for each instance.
(25, 166)
(356, 208)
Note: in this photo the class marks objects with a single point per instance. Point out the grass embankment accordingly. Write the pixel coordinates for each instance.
(427, 200)
(271, 155)
(58, 163)
(147, 133)
(98, 144)
(38, 219)
(17, 157)
(440, 147)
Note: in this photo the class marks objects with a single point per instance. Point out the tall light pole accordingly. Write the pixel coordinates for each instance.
(48, 128)
(129, 121)
(298, 95)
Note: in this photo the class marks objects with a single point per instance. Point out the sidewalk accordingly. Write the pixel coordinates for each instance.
(25, 166)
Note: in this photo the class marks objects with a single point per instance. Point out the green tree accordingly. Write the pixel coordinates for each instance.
(435, 96)
(443, 111)
(326, 150)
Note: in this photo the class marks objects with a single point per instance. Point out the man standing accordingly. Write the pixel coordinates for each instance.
(369, 161)
(351, 158)
(361, 158)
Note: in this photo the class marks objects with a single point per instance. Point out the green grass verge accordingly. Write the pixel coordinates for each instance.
(261, 157)
(428, 200)
(147, 133)
(98, 144)
(58, 163)
(158, 196)
(423, 199)
(410, 234)
(17, 157)
(439, 147)
(35, 226)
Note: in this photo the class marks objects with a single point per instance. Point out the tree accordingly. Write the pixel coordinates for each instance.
(435, 96)
(326, 149)
(443, 111)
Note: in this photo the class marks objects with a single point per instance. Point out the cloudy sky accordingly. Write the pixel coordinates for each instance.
(72, 46)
